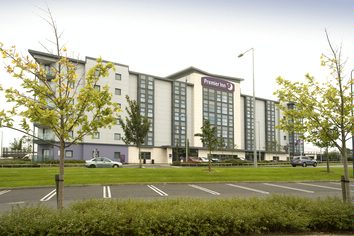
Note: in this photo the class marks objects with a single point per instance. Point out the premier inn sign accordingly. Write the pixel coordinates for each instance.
(218, 84)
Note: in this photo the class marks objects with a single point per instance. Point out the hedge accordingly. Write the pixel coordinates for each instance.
(240, 216)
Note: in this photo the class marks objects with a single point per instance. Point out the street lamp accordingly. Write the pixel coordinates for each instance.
(254, 108)
(351, 92)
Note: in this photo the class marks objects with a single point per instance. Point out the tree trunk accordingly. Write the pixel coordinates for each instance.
(140, 164)
(346, 190)
(327, 160)
(209, 164)
(60, 184)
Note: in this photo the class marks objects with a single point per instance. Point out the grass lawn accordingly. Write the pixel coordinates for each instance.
(24, 177)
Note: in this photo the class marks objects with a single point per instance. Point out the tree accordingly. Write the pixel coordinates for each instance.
(135, 126)
(322, 109)
(23, 144)
(209, 139)
(58, 98)
(16, 144)
(321, 143)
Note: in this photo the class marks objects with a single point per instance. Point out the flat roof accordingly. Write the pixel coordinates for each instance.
(44, 56)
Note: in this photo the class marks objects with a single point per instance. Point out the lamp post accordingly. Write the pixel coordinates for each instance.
(254, 108)
(351, 94)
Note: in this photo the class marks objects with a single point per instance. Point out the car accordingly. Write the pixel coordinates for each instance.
(203, 159)
(303, 161)
(214, 159)
(101, 162)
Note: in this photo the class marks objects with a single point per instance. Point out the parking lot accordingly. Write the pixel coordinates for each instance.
(47, 195)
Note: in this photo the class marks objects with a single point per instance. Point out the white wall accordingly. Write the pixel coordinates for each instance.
(162, 113)
(107, 135)
(159, 155)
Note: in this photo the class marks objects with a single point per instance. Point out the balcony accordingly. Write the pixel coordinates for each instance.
(46, 138)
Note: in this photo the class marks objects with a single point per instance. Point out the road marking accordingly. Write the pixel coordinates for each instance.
(48, 196)
(250, 189)
(4, 191)
(320, 186)
(286, 187)
(351, 185)
(158, 191)
(204, 189)
(15, 203)
(107, 192)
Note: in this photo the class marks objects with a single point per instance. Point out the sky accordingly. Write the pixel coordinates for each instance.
(161, 37)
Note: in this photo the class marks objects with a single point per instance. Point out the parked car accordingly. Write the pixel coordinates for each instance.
(203, 159)
(101, 162)
(214, 159)
(303, 161)
(194, 159)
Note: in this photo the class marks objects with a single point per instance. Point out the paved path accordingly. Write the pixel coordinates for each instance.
(10, 198)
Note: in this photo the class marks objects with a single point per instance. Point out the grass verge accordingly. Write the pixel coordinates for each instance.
(26, 177)
(276, 214)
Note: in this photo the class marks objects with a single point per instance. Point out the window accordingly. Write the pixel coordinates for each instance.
(97, 87)
(117, 155)
(69, 153)
(117, 136)
(71, 84)
(96, 135)
(145, 155)
(118, 76)
(117, 91)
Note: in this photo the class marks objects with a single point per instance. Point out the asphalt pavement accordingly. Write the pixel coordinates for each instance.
(10, 198)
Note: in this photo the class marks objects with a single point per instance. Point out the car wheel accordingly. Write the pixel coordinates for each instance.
(304, 164)
(314, 164)
(115, 166)
(92, 166)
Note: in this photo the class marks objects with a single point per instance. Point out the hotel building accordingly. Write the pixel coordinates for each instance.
(176, 106)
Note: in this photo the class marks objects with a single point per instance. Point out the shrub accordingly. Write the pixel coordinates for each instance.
(276, 214)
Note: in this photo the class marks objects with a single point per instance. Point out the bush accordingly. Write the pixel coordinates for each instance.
(276, 214)
(65, 161)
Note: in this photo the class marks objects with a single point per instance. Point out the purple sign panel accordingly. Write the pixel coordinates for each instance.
(218, 84)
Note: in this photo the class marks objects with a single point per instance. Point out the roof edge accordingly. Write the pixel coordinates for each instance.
(34, 52)
(192, 69)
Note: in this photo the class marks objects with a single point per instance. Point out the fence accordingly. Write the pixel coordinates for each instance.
(13, 154)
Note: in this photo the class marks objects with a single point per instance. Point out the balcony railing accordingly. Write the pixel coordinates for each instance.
(45, 138)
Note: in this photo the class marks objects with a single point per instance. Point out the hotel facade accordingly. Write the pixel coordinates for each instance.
(176, 106)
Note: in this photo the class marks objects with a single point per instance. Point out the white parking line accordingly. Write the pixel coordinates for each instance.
(250, 189)
(204, 189)
(158, 191)
(4, 191)
(286, 187)
(15, 203)
(351, 185)
(321, 186)
(48, 196)
(107, 192)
